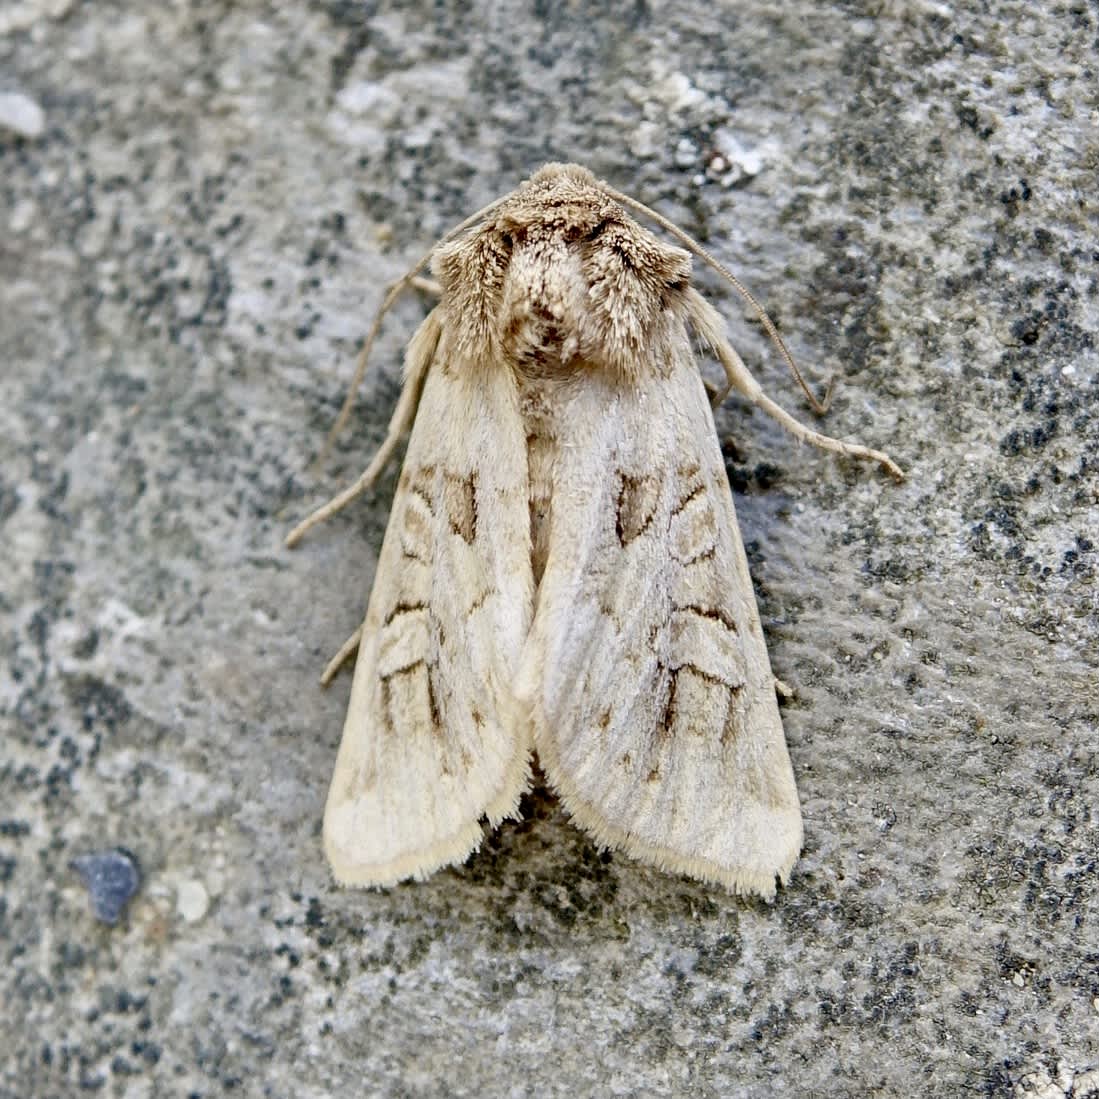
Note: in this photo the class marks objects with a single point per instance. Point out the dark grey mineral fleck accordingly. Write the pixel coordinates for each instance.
(112, 878)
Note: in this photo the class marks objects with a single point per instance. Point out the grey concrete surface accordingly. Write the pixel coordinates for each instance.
(191, 246)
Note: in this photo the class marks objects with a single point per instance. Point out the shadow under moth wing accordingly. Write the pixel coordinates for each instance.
(562, 570)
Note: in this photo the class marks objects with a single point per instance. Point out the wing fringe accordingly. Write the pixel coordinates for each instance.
(451, 851)
(740, 880)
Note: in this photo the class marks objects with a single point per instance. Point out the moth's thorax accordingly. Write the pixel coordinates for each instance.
(544, 325)
(559, 280)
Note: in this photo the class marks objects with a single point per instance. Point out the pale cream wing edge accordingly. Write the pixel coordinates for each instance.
(449, 851)
(677, 797)
(429, 746)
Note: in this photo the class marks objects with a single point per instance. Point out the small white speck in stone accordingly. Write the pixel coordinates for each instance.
(21, 115)
(735, 161)
(685, 153)
(22, 216)
(192, 901)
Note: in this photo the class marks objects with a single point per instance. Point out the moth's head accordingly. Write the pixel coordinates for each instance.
(559, 278)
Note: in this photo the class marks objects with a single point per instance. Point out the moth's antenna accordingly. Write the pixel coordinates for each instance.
(819, 407)
(393, 292)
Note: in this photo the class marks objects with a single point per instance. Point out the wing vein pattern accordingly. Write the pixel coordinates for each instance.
(646, 674)
(431, 743)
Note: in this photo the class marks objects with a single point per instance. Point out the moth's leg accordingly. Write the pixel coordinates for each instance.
(783, 689)
(428, 286)
(337, 662)
(742, 381)
(392, 293)
(402, 419)
(420, 353)
(366, 479)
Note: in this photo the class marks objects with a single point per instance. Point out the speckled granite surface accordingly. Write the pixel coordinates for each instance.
(191, 247)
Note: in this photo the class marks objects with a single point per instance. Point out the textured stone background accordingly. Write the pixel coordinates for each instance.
(189, 252)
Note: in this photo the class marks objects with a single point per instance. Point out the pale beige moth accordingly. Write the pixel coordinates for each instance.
(562, 573)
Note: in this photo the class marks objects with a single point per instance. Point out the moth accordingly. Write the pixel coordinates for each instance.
(562, 572)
